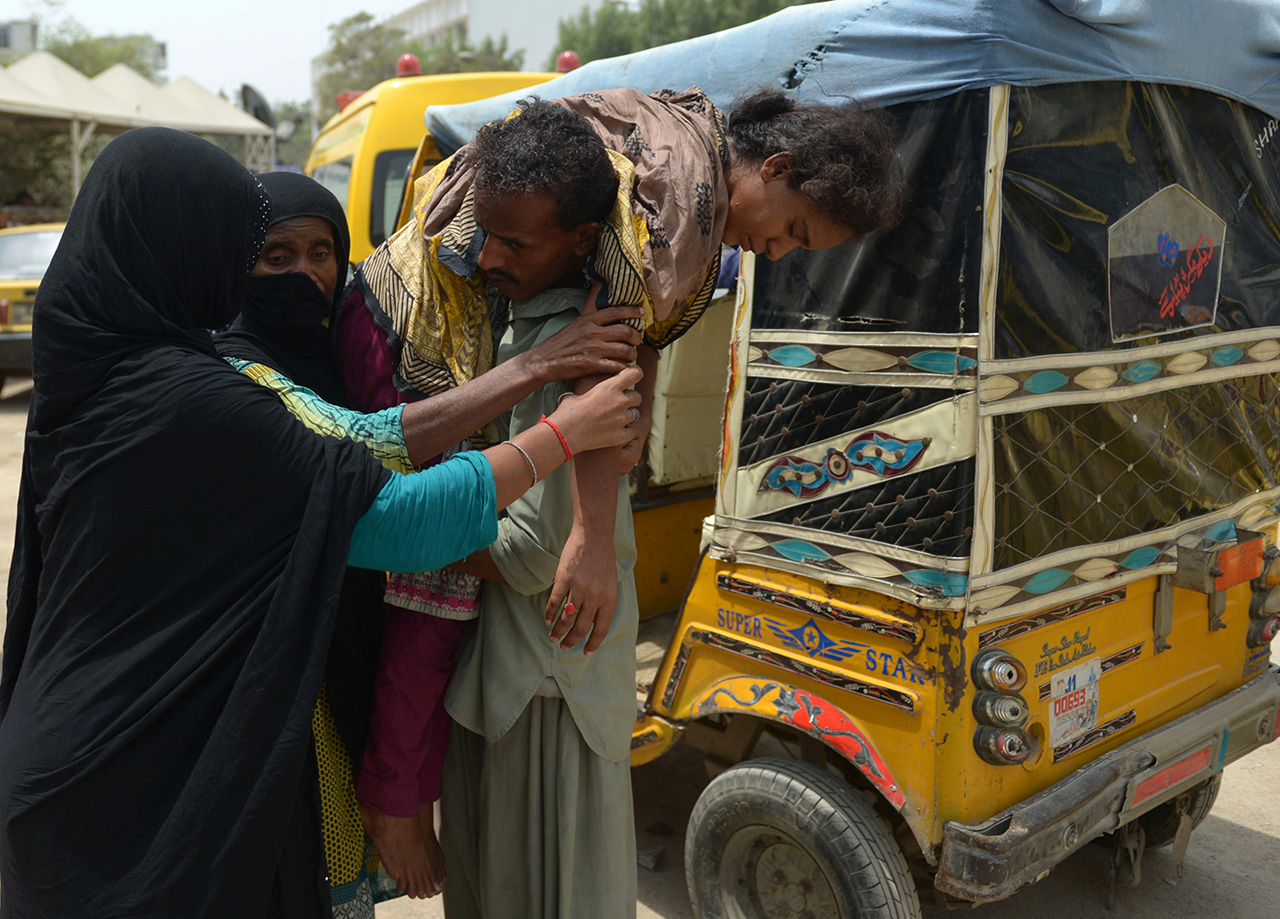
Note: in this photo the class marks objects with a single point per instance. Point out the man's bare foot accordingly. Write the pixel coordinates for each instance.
(435, 856)
(399, 844)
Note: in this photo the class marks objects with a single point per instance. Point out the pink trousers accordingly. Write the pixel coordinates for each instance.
(409, 728)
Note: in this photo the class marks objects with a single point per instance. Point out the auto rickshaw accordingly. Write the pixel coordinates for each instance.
(991, 502)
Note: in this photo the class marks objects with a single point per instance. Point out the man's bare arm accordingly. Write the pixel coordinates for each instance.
(587, 574)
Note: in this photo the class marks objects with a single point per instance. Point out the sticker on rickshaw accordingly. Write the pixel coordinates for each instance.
(1257, 661)
(1164, 265)
(1073, 702)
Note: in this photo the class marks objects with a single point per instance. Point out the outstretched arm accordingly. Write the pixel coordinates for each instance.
(423, 521)
(598, 344)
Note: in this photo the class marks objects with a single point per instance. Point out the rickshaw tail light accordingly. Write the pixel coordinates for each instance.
(999, 671)
(1002, 746)
(1002, 709)
(1262, 632)
(1265, 603)
(1271, 567)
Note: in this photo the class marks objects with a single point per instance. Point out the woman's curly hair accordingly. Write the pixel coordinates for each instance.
(845, 159)
(545, 148)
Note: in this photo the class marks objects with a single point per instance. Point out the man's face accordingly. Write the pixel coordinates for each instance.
(525, 249)
(301, 245)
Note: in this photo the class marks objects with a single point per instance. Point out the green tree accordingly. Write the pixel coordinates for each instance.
(453, 56)
(293, 152)
(92, 54)
(621, 28)
(361, 54)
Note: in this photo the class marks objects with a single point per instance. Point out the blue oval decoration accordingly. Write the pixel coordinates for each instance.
(1223, 529)
(800, 551)
(1225, 357)
(1140, 558)
(941, 361)
(793, 355)
(1044, 381)
(949, 584)
(1045, 581)
(1142, 371)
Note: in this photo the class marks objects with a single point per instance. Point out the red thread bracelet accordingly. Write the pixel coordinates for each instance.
(568, 454)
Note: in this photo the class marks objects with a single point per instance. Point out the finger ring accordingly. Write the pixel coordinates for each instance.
(569, 609)
(635, 414)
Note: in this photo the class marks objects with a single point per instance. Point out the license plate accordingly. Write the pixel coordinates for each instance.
(20, 313)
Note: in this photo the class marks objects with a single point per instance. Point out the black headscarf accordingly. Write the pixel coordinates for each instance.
(180, 542)
(284, 323)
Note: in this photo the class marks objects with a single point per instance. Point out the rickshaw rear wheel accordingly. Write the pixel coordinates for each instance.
(779, 839)
(1161, 823)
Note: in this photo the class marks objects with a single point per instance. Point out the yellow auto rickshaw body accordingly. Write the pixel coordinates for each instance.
(1138, 640)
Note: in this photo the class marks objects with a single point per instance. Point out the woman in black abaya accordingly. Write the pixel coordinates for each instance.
(181, 538)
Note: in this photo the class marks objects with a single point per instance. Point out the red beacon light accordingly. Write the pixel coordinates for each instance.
(408, 66)
(346, 97)
(568, 60)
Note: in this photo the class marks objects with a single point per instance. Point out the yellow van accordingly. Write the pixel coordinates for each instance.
(363, 153)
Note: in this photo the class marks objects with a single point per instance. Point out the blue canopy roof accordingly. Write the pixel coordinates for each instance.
(890, 51)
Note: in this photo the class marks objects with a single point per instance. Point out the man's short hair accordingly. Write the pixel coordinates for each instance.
(547, 149)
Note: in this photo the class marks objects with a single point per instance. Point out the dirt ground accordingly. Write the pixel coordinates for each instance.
(1232, 868)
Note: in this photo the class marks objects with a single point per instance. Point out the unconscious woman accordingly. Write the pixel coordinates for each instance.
(281, 340)
(181, 539)
(773, 177)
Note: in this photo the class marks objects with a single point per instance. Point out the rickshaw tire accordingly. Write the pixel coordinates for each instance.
(782, 805)
(1161, 823)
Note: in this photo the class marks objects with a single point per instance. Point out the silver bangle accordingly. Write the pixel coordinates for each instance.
(527, 458)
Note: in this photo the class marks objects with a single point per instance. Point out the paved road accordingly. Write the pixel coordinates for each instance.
(1232, 870)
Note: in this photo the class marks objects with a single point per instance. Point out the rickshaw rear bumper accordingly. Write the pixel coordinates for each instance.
(991, 860)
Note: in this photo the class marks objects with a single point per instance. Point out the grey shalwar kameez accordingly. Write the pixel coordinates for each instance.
(537, 809)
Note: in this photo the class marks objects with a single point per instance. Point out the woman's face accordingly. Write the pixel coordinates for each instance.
(769, 217)
(301, 245)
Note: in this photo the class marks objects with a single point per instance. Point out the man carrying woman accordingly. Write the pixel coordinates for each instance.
(420, 320)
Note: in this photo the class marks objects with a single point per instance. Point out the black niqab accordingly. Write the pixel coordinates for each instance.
(284, 322)
(180, 542)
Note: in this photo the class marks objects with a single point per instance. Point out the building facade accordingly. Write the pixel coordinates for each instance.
(18, 37)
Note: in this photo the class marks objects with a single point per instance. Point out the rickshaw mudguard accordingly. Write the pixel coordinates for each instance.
(993, 859)
(776, 648)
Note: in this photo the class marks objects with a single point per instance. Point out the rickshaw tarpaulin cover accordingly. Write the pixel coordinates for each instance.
(1064, 362)
(891, 51)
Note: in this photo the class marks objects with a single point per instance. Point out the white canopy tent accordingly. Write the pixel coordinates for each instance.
(42, 88)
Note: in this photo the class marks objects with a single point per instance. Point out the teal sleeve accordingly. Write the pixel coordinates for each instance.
(426, 520)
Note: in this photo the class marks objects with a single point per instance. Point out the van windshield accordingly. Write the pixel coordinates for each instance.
(390, 172)
(336, 177)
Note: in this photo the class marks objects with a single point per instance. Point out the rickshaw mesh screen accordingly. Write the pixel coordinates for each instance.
(1075, 475)
(784, 416)
(931, 511)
